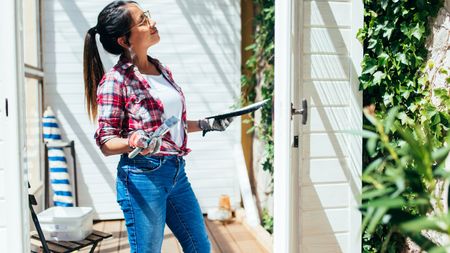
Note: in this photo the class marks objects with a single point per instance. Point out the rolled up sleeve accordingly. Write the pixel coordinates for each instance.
(110, 106)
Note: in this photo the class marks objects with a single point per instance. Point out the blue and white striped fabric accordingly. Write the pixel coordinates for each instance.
(59, 175)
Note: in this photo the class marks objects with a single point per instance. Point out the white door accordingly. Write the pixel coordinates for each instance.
(329, 158)
(14, 213)
(317, 165)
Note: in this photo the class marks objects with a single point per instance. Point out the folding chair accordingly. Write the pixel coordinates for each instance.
(62, 246)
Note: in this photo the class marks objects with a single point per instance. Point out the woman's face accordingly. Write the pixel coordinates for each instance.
(144, 33)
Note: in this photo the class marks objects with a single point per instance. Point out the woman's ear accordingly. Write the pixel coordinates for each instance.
(123, 42)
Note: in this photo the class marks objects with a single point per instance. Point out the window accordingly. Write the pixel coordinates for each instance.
(34, 77)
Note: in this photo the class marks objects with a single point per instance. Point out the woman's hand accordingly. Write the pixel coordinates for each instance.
(216, 125)
(140, 139)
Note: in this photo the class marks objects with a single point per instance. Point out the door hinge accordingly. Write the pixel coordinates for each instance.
(295, 141)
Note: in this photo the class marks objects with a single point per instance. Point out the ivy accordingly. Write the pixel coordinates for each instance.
(261, 78)
(393, 75)
(260, 81)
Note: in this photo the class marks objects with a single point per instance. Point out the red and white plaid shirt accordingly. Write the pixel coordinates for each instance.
(127, 102)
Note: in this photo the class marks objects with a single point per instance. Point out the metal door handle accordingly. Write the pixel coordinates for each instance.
(303, 111)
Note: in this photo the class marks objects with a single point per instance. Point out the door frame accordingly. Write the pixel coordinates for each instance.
(286, 213)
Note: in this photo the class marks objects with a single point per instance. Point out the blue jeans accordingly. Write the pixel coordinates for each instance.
(153, 191)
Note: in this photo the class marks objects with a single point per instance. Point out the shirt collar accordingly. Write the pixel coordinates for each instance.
(125, 63)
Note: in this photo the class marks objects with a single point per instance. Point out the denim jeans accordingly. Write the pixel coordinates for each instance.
(153, 191)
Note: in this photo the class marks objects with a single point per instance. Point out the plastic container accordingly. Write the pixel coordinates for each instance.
(66, 223)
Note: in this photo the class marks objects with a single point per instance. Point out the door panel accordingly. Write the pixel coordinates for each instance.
(329, 163)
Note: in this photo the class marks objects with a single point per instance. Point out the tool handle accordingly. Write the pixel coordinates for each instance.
(162, 130)
(134, 153)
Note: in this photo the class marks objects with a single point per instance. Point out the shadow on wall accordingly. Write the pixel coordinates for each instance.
(57, 82)
(209, 30)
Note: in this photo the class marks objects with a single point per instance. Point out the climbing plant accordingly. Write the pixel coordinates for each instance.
(397, 185)
(260, 81)
(259, 84)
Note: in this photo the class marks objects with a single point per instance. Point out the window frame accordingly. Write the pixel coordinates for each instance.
(37, 73)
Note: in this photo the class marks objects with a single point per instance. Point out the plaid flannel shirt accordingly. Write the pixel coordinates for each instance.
(126, 102)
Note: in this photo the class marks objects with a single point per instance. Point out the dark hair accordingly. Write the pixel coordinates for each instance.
(113, 22)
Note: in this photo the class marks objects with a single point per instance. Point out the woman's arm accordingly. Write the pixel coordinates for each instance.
(115, 146)
(193, 126)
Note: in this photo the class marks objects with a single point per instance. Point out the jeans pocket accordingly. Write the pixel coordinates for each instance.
(145, 164)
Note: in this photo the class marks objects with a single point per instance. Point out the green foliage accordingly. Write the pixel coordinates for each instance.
(394, 35)
(267, 221)
(261, 78)
(397, 185)
(372, 242)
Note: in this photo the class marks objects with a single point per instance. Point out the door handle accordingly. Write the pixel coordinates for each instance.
(303, 111)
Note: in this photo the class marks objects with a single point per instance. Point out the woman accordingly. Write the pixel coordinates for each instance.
(131, 101)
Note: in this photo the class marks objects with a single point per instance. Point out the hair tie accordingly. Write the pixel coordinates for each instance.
(93, 30)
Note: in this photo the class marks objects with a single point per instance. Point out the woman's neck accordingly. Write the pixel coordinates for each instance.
(143, 64)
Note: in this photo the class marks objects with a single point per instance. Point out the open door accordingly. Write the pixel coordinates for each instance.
(330, 160)
(320, 64)
(14, 214)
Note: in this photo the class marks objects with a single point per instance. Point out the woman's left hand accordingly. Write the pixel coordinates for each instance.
(216, 125)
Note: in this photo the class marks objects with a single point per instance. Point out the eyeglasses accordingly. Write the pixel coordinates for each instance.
(145, 16)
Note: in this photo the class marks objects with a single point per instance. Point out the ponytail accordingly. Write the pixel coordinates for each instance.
(93, 72)
(113, 22)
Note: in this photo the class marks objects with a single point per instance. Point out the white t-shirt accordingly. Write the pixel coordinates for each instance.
(173, 106)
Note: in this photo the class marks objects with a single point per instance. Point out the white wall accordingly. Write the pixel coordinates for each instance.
(200, 42)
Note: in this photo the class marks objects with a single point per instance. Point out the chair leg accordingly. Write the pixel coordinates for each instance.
(93, 247)
(38, 226)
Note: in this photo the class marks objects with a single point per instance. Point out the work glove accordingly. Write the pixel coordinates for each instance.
(216, 125)
(149, 145)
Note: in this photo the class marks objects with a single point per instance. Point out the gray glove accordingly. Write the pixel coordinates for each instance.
(217, 124)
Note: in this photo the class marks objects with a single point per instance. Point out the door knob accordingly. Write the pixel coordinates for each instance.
(303, 111)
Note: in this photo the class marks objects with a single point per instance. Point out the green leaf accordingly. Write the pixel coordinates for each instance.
(378, 76)
(384, 4)
(389, 121)
(367, 218)
(377, 216)
(440, 154)
(370, 69)
(386, 202)
(372, 146)
(383, 59)
(443, 71)
(372, 43)
(374, 165)
(401, 57)
(418, 31)
(377, 193)
(388, 99)
(388, 32)
(439, 249)
(363, 133)
(420, 224)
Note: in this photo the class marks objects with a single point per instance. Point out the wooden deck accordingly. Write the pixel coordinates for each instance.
(233, 237)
